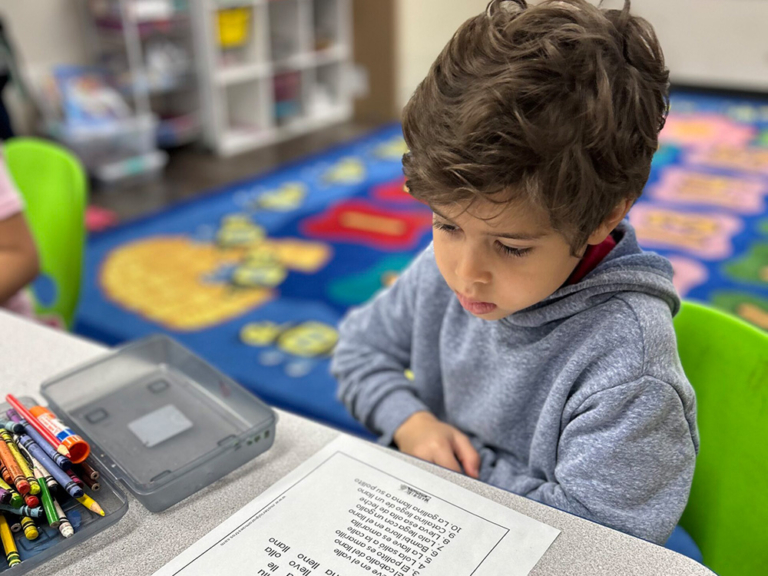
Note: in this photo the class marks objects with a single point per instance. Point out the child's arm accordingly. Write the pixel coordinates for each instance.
(18, 256)
(370, 360)
(625, 459)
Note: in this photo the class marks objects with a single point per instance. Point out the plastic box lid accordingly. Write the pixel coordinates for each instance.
(161, 420)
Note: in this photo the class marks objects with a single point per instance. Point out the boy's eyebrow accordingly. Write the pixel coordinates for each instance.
(500, 234)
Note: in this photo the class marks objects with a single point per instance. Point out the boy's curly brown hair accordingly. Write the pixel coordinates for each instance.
(559, 103)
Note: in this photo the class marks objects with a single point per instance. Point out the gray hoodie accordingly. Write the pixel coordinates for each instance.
(579, 402)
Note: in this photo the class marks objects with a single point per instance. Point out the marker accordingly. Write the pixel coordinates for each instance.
(27, 415)
(78, 448)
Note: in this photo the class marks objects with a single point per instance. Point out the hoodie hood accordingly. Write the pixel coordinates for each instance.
(626, 268)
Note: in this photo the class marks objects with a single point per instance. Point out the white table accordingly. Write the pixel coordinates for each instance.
(141, 542)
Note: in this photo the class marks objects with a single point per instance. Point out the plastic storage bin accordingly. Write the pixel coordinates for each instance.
(161, 422)
(116, 150)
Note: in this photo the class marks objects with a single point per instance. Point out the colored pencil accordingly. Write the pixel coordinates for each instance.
(89, 470)
(91, 504)
(22, 411)
(9, 546)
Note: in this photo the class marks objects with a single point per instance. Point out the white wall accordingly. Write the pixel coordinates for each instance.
(423, 29)
(44, 33)
(712, 42)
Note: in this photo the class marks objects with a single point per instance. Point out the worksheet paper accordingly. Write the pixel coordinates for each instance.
(353, 509)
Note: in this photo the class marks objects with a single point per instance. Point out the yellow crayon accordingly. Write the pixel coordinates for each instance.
(34, 488)
(9, 546)
(30, 530)
(91, 504)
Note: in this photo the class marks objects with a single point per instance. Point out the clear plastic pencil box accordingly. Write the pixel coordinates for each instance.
(161, 422)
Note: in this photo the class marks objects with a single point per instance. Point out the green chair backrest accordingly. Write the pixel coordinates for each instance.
(726, 361)
(54, 187)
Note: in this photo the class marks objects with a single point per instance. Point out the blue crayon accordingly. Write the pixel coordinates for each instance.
(58, 474)
(23, 511)
(61, 461)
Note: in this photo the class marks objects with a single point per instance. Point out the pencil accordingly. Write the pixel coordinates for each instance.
(45, 496)
(22, 411)
(89, 470)
(65, 527)
(91, 504)
(19, 480)
(9, 546)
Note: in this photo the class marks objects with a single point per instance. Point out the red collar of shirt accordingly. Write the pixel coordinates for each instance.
(592, 257)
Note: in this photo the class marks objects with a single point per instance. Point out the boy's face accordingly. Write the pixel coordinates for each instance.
(499, 259)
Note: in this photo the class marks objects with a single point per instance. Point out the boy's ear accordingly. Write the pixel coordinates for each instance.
(613, 219)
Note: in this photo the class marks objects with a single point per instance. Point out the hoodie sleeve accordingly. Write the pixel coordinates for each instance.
(625, 460)
(373, 352)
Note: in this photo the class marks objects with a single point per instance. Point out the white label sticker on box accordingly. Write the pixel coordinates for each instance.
(160, 425)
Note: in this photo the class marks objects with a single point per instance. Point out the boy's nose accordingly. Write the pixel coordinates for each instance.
(471, 269)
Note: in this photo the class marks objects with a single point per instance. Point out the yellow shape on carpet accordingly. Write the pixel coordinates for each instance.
(164, 279)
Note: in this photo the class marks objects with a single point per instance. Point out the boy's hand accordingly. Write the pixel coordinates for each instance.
(424, 436)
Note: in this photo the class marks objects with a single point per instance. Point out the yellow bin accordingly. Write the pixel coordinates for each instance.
(233, 27)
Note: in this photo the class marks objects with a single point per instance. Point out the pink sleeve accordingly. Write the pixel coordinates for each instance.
(10, 201)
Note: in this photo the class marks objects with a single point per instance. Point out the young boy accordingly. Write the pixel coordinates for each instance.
(538, 332)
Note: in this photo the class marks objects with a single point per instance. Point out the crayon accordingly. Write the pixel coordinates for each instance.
(22, 411)
(29, 528)
(4, 473)
(45, 496)
(9, 546)
(75, 478)
(92, 484)
(61, 461)
(15, 499)
(15, 525)
(25, 469)
(11, 426)
(64, 527)
(50, 466)
(91, 504)
(53, 486)
(78, 448)
(22, 511)
(31, 501)
(89, 470)
(19, 480)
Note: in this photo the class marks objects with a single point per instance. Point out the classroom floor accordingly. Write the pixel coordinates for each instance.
(192, 171)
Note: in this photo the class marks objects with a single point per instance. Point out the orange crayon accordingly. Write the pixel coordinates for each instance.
(18, 477)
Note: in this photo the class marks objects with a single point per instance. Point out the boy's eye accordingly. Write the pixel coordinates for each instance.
(510, 251)
(444, 227)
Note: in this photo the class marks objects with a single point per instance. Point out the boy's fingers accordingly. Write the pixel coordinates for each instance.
(470, 459)
(446, 459)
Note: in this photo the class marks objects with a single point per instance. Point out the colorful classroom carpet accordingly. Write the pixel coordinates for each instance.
(255, 277)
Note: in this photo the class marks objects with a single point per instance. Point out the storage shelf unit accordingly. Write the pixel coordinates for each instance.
(286, 74)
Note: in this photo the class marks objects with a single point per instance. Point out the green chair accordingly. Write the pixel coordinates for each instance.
(726, 361)
(54, 187)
